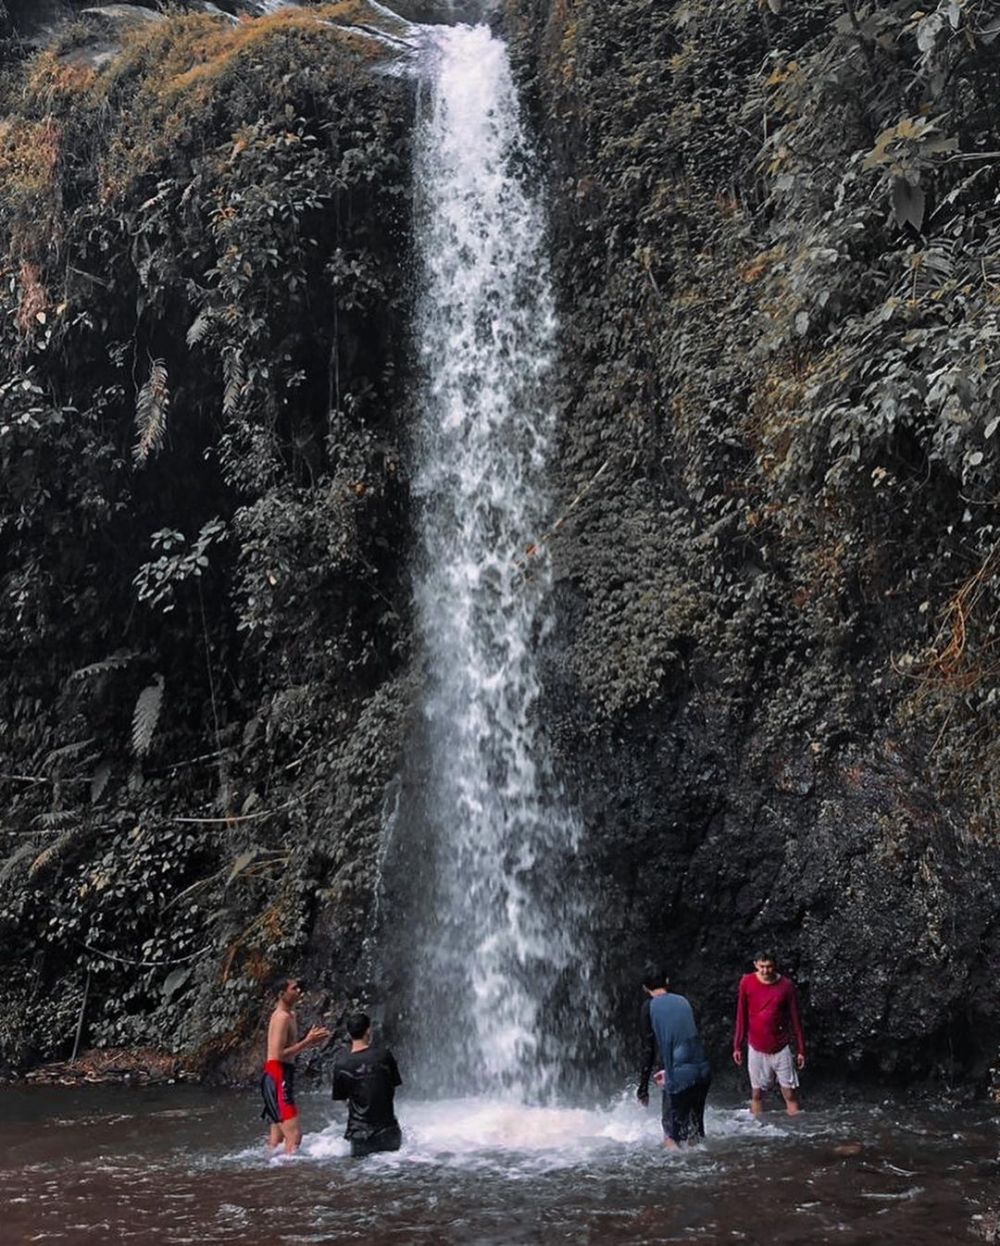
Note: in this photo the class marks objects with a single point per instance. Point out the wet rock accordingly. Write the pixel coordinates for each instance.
(313, 744)
(848, 1150)
(722, 697)
(121, 16)
(108, 24)
(142, 1067)
(749, 769)
(986, 1226)
(446, 12)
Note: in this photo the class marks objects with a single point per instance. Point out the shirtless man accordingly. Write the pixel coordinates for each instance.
(277, 1085)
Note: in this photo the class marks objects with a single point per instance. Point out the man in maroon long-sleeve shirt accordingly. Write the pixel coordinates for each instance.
(767, 1019)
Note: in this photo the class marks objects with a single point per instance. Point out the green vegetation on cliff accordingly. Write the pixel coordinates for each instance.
(203, 243)
(777, 239)
(776, 682)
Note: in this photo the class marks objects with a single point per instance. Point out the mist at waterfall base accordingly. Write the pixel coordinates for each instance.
(483, 930)
(183, 1165)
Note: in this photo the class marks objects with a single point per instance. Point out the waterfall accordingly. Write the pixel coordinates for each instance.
(494, 947)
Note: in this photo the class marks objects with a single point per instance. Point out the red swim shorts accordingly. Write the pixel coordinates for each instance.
(277, 1089)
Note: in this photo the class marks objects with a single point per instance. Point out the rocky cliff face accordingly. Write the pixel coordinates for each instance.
(204, 603)
(774, 227)
(774, 686)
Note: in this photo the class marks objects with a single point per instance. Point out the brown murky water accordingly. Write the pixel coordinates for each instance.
(183, 1165)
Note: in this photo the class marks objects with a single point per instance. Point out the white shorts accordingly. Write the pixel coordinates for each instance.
(766, 1068)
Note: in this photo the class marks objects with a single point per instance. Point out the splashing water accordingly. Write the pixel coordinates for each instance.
(182, 1164)
(496, 922)
(512, 1135)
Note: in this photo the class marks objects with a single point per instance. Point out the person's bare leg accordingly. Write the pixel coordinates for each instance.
(274, 1136)
(791, 1098)
(756, 1101)
(292, 1132)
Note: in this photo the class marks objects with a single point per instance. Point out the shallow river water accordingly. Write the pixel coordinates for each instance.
(182, 1165)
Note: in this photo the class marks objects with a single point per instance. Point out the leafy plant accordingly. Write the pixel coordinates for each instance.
(151, 413)
(146, 715)
(167, 221)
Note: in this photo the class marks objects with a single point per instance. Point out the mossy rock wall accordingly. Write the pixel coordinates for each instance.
(203, 316)
(774, 230)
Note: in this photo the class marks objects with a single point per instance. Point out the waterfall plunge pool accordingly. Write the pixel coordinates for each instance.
(184, 1165)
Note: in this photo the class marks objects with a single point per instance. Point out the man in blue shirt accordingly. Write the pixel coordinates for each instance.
(668, 1026)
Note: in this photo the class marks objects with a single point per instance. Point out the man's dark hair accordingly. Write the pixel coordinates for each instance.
(358, 1024)
(281, 984)
(654, 978)
(765, 955)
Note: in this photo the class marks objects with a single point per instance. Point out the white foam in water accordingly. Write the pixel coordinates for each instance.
(507, 1133)
(913, 1192)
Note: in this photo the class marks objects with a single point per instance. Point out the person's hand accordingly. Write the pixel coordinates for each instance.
(317, 1034)
(800, 1060)
(660, 1078)
(738, 1058)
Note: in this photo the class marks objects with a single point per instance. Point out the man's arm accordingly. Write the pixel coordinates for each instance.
(393, 1068)
(341, 1084)
(740, 1029)
(796, 1020)
(317, 1035)
(280, 1031)
(648, 1039)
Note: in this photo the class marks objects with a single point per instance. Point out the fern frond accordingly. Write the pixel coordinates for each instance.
(146, 715)
(189, 189)
(931, 271)
(241, 863)
(161, 196)
(16, 857)
(66, 752)
(49, 856)
(115, 662)
(56, 818)
(100, 781)
(235, 378)
(200, 327)
(151, 412)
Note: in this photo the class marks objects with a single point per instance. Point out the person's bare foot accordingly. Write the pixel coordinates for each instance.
(792, 1109)
(669, 1144)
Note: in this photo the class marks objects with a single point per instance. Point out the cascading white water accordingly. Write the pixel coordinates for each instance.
(499, 937)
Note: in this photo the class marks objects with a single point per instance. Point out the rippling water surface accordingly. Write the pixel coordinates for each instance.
(181, 1165)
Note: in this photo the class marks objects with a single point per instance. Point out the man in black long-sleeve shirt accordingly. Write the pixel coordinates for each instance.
(367, 1077)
